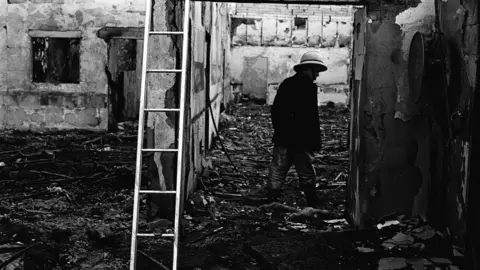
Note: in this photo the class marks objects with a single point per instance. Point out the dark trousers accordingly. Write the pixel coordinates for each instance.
(283, 159)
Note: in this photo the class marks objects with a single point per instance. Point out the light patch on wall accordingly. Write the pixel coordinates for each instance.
(418, 19)
(254, 31)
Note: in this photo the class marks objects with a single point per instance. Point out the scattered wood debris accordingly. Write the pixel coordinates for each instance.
(72, 193)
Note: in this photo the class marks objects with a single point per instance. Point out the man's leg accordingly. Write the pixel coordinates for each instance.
(281, 163)
(303, 161)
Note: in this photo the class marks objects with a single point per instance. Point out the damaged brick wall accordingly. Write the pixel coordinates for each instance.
(26, 103)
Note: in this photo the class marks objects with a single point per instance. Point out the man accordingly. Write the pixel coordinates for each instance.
(296, 127)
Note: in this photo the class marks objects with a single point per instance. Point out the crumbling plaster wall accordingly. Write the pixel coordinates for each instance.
(28, 105)
(220, 33)
(206, 17)
(416, 152)
(394, 133)
(269, 30)
(215, 22)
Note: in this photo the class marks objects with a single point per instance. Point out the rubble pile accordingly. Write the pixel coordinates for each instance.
(67, 204)
(66, 198)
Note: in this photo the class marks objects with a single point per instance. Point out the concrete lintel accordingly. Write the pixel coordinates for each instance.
(107, 33)
(55, 34)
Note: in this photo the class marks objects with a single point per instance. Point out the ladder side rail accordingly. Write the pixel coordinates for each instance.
(141, 117)
(186, 20)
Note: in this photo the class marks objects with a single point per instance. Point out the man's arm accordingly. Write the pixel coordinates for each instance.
(281, 112)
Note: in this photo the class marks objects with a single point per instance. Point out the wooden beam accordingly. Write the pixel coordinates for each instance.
(311, 2)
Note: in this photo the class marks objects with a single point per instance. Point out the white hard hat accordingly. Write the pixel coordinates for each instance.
(311, 58)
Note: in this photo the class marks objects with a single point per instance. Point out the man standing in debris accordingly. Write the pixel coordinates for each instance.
(296, 127)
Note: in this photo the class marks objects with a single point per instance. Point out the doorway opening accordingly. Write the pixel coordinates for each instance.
(123, 71)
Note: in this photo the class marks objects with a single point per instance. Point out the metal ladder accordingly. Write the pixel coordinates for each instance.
(147, 34)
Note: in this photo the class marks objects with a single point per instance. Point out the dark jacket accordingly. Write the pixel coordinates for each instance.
(294, 114)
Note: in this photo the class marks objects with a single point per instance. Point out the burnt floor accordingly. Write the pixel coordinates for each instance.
(66, 204)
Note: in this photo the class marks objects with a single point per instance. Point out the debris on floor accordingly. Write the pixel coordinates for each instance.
(65, 199)
(66, 204)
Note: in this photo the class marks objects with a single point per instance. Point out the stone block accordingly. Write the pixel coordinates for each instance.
(81, 101)
(55, 100)
(37, 118)
(7, 100)
(54, 115)
(28, 101)
(16, 118)
(344, 41)
(44, 100)
(69, 102)
(3, 115)
(71, 119)
(96, 101)
(88, 117)
(314, 41)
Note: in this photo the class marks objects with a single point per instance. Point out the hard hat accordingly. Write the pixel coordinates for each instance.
(311, 58)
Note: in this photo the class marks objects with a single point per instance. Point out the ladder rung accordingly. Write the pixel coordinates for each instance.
(158, 150)
(157, 191)
(166, 33)
(155, 235)
(164, 70)
(162, 110)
